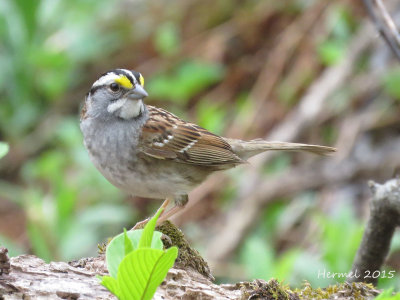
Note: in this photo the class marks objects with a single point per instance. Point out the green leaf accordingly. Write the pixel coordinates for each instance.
(4, 147)
(116, 248)
(127, 243)
(142, 271)
(147, 235)
(110, 283)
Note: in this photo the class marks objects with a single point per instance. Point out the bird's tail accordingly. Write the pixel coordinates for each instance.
(247, 149)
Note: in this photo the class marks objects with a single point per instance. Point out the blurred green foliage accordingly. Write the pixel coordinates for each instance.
(336, 242)
(167, 39)
(186, 80)
(341, 24)
(388, 295)
(41, 56)
(211, 115)
(4, 147)
(391, 83)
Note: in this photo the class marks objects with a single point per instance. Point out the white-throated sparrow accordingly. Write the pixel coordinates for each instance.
(149, 152)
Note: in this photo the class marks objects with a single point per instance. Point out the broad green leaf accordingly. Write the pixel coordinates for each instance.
(110, 283)
(156, 242)
(127, 243)
(116, 248)
(142, 271)
(3, 149)
(147, 235)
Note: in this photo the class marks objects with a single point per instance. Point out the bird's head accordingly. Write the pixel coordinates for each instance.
(117, 93)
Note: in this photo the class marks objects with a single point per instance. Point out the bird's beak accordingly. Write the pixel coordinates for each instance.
(137, 93)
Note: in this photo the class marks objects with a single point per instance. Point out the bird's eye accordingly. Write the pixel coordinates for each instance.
(114, 87)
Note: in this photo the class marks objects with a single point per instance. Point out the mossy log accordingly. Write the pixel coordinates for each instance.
(29, 277)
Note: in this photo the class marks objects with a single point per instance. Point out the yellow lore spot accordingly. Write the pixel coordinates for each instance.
(124, 82)
(141, 79)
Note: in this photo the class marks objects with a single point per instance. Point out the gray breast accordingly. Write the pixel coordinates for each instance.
(112, 147)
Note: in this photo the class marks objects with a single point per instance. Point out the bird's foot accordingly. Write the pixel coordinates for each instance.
(141, 224)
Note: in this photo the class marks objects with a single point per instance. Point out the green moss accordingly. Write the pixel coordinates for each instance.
(187, 257)
(355, 290)
(102, 247)
(273, 290)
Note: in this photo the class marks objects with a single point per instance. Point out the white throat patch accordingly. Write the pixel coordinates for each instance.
(126, 108)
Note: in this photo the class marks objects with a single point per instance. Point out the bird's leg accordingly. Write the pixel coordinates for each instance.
(169, 213)
(164, 206)
(180, 203)
(141, 224)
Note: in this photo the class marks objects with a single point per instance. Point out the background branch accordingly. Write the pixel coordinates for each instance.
(375, 244)
(384, 24)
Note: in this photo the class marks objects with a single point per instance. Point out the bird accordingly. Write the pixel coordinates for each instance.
(149, 152)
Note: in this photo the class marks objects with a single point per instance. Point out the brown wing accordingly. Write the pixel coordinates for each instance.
(165, 136)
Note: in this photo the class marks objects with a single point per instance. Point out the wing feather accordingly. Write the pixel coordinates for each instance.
(165, 136)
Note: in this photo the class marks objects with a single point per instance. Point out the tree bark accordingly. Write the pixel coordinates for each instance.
(31, 278)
